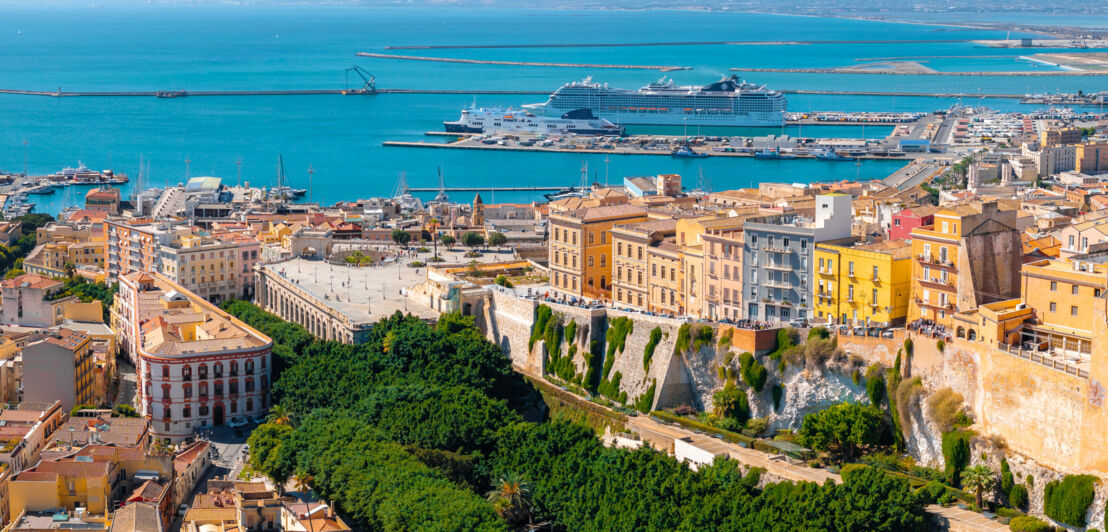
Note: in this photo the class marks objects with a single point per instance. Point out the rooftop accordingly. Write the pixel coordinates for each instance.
(32, 280)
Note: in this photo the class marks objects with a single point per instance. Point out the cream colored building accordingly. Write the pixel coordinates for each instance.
(581, 248)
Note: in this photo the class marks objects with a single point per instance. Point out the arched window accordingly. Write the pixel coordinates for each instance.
(972, 335)
(165, 372)
(960, 332)
(187, 412)
(203, 371)
(249, 405)
(249, 367)
(218, 369)
(203, 389)
(218, 388)
(186, 373)
(234, 368)
(188, 390)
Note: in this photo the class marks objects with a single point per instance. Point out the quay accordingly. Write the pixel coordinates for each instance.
(678, 43)
(584, 147)
(1009, 73)
(663, 68)
(483, 189)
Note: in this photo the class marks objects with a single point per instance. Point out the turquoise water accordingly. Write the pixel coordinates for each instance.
(219, 47)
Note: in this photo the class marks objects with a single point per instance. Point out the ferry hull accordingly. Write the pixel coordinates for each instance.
(678, 119)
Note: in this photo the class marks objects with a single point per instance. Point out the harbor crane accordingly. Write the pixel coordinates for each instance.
(369, 82)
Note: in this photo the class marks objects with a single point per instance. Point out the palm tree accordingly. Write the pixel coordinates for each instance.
(978, 479)
(434, 223)
(302, 481)
(511, 496)
(279, 415)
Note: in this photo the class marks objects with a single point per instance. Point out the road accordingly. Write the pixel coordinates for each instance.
(228, 461)
(658, 434)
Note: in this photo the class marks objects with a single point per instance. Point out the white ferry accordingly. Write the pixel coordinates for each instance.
(508, 120)
(727, 102)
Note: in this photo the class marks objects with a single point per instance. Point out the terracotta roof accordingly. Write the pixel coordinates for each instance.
(149, 491)
(211, 514)
(186, 457)
(75, 469)
(608, 211)
(137, 517)
(33, 280)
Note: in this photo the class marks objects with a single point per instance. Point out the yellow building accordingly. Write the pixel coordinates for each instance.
(631, 272)
(581, 248)
(866, 284)
(970, 255)
(1092, 158)
(53, 485)
(1063, 296)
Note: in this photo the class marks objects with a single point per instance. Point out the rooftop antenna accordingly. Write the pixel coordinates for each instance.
(702, 182)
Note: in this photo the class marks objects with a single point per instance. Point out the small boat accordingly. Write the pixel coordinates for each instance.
(171, 94)
(685, 151)
(832, 156)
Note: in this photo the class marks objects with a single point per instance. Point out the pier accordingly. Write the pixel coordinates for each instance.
(663, 68)
(483, 189)
(678, 43)
(855, 70)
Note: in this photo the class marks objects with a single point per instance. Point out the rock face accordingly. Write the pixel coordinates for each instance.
(806, 390)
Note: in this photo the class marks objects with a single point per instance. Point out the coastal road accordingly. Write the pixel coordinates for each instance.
(661, 436)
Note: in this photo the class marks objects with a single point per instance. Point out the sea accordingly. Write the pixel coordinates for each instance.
(239, 138)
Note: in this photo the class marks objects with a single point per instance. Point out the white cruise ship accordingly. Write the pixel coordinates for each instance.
(727, 102)
(508, 120)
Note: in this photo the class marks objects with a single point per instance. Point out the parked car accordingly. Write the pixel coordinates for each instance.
(237, 422)
(259, 419)
(887, 334)
(182, 509)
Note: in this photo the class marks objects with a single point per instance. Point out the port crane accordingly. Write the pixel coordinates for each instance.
(369, 82)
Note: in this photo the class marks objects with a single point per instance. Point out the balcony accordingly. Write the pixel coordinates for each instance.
(777, 250)
(778, 284)
(937, 283)
(825, 295)
(779, 267)
(937, 306)
(934, 261)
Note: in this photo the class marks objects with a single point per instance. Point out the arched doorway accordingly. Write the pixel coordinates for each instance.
(217, 415)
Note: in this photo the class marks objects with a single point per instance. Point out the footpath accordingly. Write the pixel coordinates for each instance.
(662, 435)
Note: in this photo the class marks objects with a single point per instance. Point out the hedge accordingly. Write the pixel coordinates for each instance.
(733, 437)
(1028, 524)
(1068, 500)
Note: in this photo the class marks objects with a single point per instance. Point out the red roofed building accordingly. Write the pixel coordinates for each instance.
(911, 218)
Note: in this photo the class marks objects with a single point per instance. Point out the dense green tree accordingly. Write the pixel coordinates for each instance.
(842, 428)
(497, 239)
(1068, 500)
(401, 237)
(447, 240)
(473, 239)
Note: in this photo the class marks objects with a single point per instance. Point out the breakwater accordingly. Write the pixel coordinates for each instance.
(924, 73)
(308, 92)
(663, 68)
(677, 43)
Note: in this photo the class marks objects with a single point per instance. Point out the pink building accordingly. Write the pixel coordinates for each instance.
(910, 218)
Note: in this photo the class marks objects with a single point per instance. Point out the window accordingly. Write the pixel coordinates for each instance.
(1073, 290)
(603, 261)
(167, 413)
(218, 388)
(821, 264)
(786, 242)
(1096, 292)
(946, 227)
(850, 293)
(234, 368)
(590, 260)
(1054, 286)
(590, 237)
(575, 238)
(186, 373)
(803, 245)
(234, 387)
(1071, 241)
(875, 273)
(203, 410)
(188, 391)
(1053, 306)
(187, 412)
(1073, 310)
(234, 406)
(850, 268)
(874, 300)
(165, 372)
(249, 385)
(250, 408)
(203, 389)
(619, 248)
(219, 370)
(203, 371)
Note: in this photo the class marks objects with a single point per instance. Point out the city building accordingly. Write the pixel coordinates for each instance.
(31, 300)
(216, 266)
(863, 284)
(311, 305)
(197, 366)
(103, 199)
(53, 485)
(723, 275)
(581, 248)
(232, 505)
(910, 218)
(189, 466)
(1091, 158)
(137, 517)
(777, 258)
(630, 259)
(26, 428)
(58, 365)
(969, 256)
(53, 259)
(1060, 136)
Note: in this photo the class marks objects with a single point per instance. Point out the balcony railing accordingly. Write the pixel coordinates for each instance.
(1038, 358)
(777, 250)
(949, 283)
(778, 284)
(934, 261)
(940, 306)
(779, 267)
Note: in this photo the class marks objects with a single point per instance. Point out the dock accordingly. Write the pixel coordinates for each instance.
(1001, 73)
(483, 189)
(663, 68)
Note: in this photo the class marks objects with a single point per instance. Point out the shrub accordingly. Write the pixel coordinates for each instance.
(648, 351)
(646, 400)
(907, 393)
(909, 347)
(725, 338)
(1068, 500)
(542, 315)
(778, 392)
(820, 333)
(956, 452)
(1007, 482)
(1017, 497)
(946, 408)
(940, 345)
(703, 337)
(842, 428)
(753, 373)
(856, 377)
(1028, 524)
(875, 385)
(756, 426)
(731, 402)
(933, 491)
(682, 343)
(502, 281)
(571, 332)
